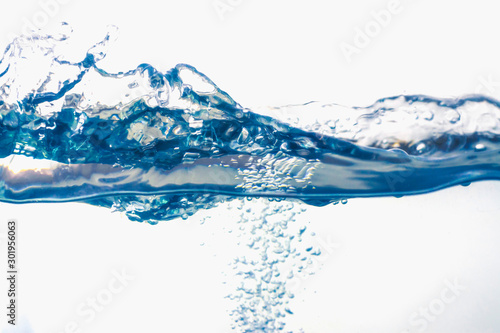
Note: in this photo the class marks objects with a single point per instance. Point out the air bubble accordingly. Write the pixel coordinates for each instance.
(428, 115)
(479, 147)
(452, 116)
(421, 147)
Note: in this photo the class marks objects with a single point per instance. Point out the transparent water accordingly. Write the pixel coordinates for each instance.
(165, 145)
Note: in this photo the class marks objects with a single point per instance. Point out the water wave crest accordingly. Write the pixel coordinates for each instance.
(159, 145)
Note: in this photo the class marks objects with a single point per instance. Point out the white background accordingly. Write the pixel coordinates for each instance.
(395, 255)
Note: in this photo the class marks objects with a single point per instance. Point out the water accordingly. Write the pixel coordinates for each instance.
(163, 145)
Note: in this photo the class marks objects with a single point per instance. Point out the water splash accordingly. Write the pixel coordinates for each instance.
(161, 145)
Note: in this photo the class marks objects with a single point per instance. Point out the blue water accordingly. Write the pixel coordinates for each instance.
(162, 145)
(170, 143)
